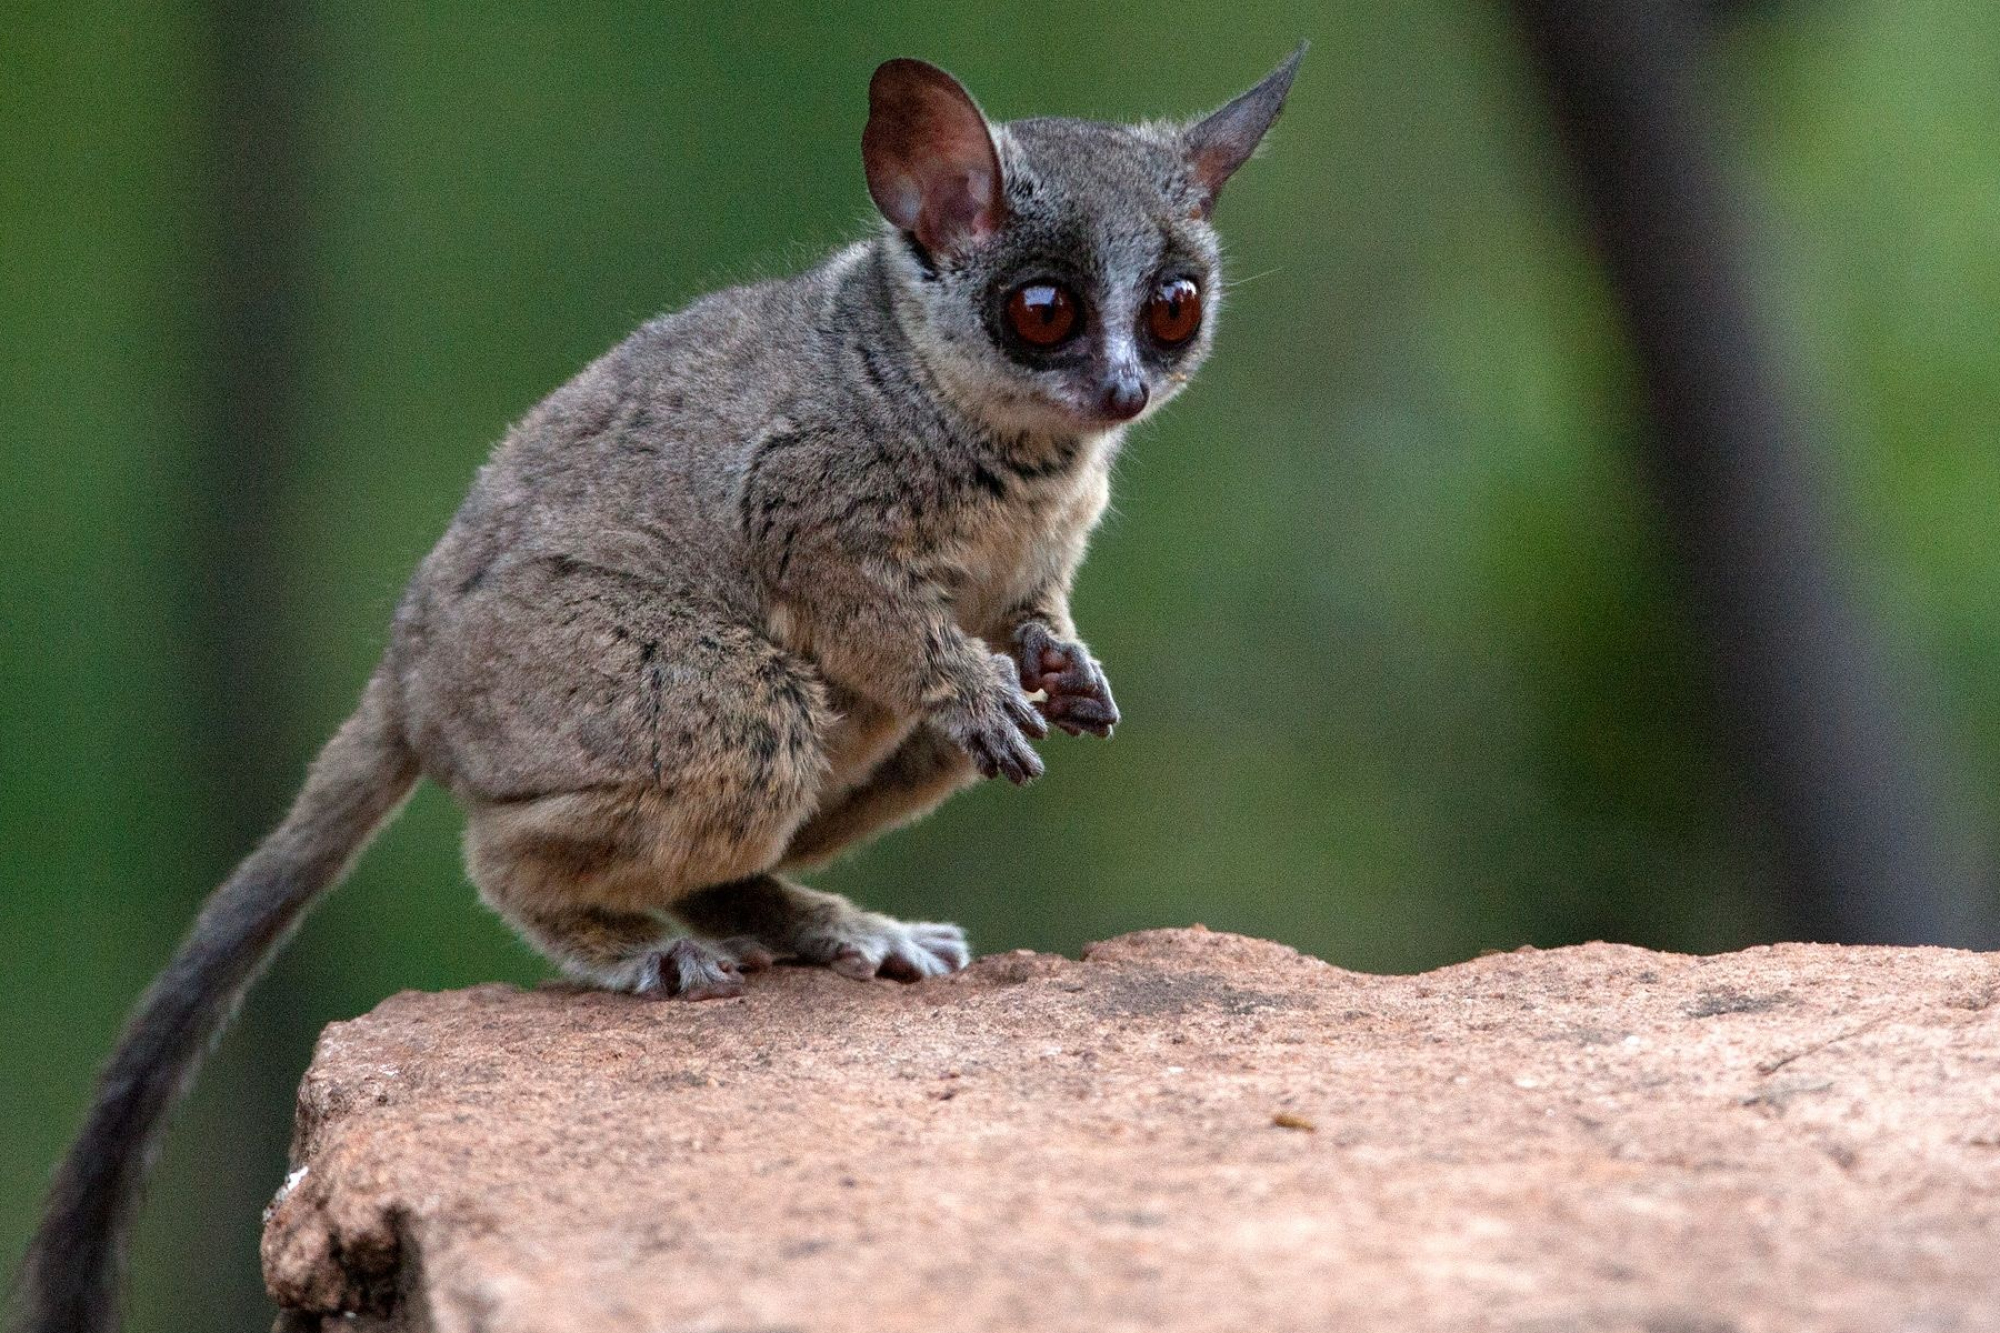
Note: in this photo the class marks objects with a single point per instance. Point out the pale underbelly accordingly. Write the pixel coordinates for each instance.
(862, 736)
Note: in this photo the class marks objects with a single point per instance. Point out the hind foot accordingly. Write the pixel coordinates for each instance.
(700, 970)
(867, 945)
(822, 929)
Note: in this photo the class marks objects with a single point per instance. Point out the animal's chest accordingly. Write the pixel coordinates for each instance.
(1008, 553)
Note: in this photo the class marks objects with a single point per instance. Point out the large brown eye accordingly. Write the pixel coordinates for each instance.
(1174, 313)
(1042, 313)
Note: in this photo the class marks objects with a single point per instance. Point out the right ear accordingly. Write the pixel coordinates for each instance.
(932, 167)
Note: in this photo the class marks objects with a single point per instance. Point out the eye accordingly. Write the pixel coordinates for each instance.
(1174, 313)
(1042, 314)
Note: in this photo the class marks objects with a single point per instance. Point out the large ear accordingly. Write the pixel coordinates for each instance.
(932, 167)
(1224, 141)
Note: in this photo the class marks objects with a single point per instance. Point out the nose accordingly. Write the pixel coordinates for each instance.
(1124, 396)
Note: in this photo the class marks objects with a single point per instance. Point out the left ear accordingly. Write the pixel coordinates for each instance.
(1215, 147)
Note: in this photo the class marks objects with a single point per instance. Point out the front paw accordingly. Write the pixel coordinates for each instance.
(994, 726)
(1078, 696)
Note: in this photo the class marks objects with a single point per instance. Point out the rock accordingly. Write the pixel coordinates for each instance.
(1185, 1130)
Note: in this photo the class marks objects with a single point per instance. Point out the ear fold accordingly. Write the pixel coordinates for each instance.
(932, 167)
(1224, 141)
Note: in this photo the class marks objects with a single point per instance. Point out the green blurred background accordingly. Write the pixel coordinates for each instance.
(1403, 667)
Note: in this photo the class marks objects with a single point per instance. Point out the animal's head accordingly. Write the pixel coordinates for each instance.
(1059, 275)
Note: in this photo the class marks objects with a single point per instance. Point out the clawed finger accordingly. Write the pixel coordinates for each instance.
(1020, 765)
(1027, 717)
(1095, 714)
(1010, 757)
(1067, 726)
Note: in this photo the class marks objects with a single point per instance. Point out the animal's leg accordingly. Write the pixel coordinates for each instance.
(925, 769)
(823, 928)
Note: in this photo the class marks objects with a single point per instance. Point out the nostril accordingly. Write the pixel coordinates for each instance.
(1125, 398)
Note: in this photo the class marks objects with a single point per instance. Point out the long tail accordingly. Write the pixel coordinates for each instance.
(69, 1278)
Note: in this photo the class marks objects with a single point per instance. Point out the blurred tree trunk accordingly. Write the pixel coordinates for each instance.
(253, 278)
(1873, 845)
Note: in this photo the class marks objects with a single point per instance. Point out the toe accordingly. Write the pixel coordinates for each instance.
(944, 942)
(852, 960)
(750, 955)
(875, 946)
(727, 988)
(904, 963)
(690, 970)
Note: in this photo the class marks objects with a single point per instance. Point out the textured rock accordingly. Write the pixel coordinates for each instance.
(1186, 1130)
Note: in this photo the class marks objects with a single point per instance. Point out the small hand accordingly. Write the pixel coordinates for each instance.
(1079, 697)
(994, 726)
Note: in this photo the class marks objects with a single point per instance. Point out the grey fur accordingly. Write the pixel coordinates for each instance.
(780, 571)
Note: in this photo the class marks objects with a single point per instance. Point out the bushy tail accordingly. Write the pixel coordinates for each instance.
(70, 1276)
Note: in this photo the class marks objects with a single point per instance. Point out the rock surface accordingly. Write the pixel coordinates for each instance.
(1185, 1130)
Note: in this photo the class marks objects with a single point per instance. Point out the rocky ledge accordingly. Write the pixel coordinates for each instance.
(1183, 1130)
